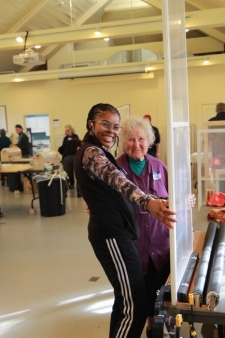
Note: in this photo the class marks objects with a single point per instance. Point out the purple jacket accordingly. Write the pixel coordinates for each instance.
(154, 235)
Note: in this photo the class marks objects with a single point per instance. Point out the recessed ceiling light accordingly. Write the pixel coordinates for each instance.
(106, 39)
(19, 39)
(206, 62)
(37, 46)
(17, 78)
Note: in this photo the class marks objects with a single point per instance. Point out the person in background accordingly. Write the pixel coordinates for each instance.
(68, 151)
(217, 141)
(151, 176)
(154, 148)
(23, 141)
(5, 142)
(112, 226)
(220, 112)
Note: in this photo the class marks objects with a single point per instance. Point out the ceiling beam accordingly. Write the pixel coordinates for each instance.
(35, 9)
(204, 45)
(85, 32)
(214, 33)
(154, 3)
(133, 27)
(55, 74)
(205, 18)
(93, 11)
(193, 3)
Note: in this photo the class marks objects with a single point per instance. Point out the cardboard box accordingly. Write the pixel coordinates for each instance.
(27, 189)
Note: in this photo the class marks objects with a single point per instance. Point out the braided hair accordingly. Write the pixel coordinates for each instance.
(98, 109)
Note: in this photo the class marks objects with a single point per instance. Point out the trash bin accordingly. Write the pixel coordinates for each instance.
(14, 182)
(52, 198)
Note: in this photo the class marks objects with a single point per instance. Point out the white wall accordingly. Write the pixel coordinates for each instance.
(70, 100)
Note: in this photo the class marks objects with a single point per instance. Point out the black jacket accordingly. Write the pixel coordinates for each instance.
(219, 117)
(23, 144)
(152, 149)
(111, 214)
(69, 146)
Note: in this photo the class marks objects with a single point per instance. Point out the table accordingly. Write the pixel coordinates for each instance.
(26, 170)
(9, 168)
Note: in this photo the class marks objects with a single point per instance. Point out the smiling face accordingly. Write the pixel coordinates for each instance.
(136, 144)
(105, 127)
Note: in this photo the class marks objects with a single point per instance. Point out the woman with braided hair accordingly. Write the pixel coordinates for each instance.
(112, 227)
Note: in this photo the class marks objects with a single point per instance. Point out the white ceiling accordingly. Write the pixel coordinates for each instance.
(65, 30)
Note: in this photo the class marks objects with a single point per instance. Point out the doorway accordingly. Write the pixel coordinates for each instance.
(38, 132)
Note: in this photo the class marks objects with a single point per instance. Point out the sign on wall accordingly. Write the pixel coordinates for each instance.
(3, 118)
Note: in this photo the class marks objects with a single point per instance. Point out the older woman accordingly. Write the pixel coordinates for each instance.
(150, 175)
(68, 151)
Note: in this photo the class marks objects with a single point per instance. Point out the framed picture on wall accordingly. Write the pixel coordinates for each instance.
(124, 111)
(3, 118)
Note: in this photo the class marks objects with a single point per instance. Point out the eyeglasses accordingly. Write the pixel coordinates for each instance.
(107, 126)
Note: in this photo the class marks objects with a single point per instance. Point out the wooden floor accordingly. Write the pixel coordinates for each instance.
(51, 284)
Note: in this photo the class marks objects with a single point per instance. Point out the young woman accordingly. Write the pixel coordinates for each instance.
(112, 227)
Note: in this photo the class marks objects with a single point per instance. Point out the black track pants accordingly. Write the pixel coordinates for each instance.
(120, 261)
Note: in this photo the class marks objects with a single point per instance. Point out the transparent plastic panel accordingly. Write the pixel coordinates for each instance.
(183, 240)
(211, 163)
(178, 136)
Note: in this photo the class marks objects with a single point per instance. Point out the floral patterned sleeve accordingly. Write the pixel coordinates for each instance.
(98, 166)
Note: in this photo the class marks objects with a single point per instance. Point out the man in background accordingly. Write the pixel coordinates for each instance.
(217, 141)
(220, 112)
(5, 142)
(14, 179)
(154, 149)
(23, 141)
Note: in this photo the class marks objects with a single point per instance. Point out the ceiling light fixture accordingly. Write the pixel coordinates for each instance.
(106, 39)
(17, 78)
(19, 39)
(148, 69)
(98, 31)
(37, 46)
(206, 62)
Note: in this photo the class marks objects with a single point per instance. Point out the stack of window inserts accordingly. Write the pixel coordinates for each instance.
(210, 268)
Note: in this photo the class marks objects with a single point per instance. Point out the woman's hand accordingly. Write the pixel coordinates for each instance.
(86, 208)
(191, 200)
(159, 208)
